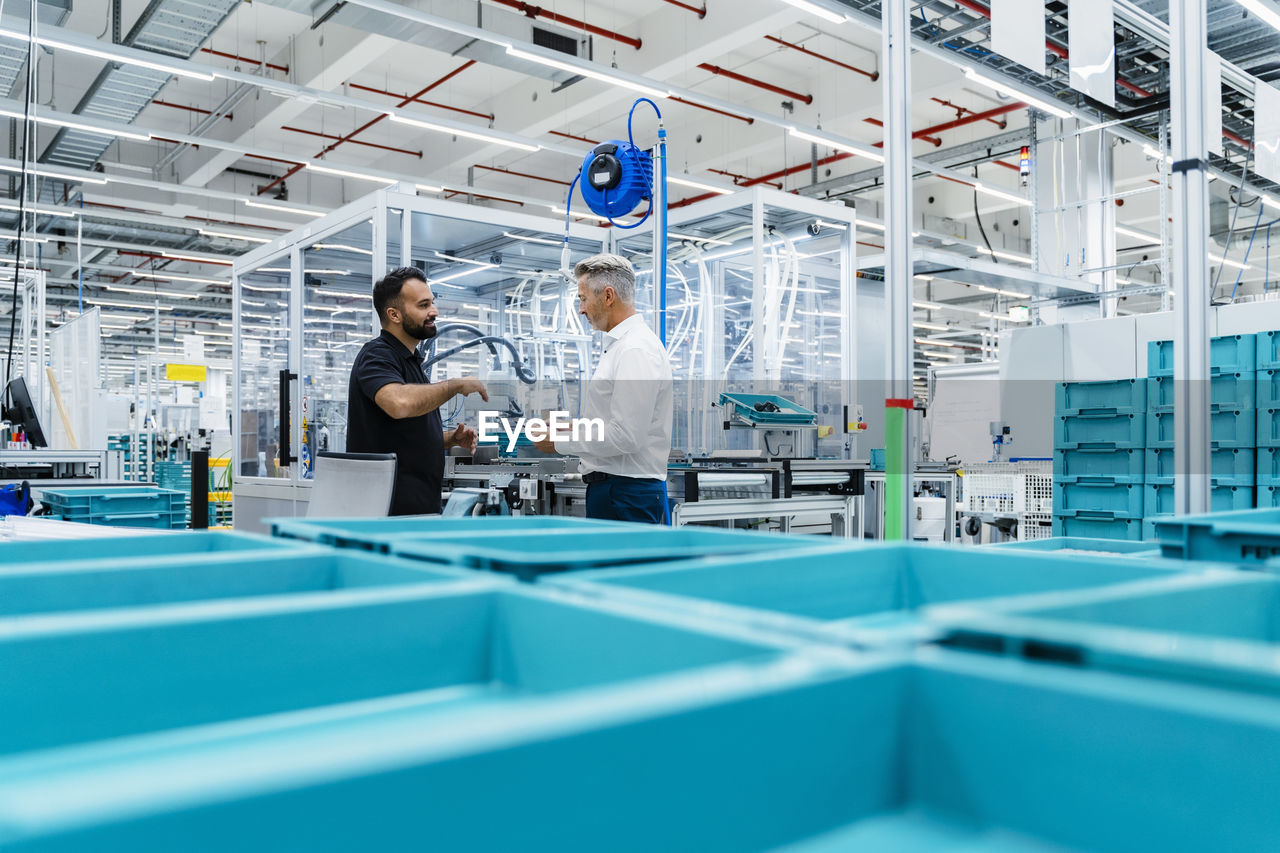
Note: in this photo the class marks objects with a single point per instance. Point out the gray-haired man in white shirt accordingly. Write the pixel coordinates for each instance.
(626, 472)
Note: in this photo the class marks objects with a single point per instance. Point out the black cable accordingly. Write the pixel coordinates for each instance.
(22, 191)
(1235, 213)
(978, 217)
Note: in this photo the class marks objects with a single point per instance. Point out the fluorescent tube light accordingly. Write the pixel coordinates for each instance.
(601, 75)
(1030, 100)
(470, 134)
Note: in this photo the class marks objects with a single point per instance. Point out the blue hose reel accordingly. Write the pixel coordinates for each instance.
(616, 176)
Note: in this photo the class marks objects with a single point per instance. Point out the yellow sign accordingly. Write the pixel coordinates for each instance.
(186, 372)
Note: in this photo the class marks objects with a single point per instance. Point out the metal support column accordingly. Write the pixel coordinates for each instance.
(1190, 244)
(899, 278)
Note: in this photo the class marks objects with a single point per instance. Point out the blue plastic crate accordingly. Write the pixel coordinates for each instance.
(1216, 627)
(1229, 466)
(1246, 537)
(242, 575)
(1095, 526)
(877, 458)
(868, 596)
(1159, 499)
(530, 555)
(1227, 392)
(1268, 427)
(1268, 350)
(945, 751)
(175, 547)
(1087, 461)
(1267, 388)
(1226, 429)
(1062, 545)
(378, 534)
(1120, 396)
(118, 506)
(1267, 496)
(1115, 431)
(1149, 533)
(1098, 494)
(1227, 354)
(450, 650)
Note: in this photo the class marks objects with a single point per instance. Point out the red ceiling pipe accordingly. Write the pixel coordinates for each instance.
(521, 174)
(1012, 166)
(370, 123)
(919, 134)
(539, 12)
(974, 117)
(870, 75)
(575, 138)
(1055, 49)
(202, 112)
(390, 148)
(701, 13)
(398, 96)
(736, 177)
(1226, 134)
(274, 160)
(751, 81)
(283, 68)
(712, 110)
(961, 112)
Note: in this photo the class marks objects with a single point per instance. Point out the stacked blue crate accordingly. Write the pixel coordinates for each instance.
(1268, 396)
(1099, 439)
(1235, 398)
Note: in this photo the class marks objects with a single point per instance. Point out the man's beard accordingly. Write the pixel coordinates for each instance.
(420, 332)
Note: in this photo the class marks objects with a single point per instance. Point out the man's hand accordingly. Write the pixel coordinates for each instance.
(471, 385)
(461, 436)
(545, 446)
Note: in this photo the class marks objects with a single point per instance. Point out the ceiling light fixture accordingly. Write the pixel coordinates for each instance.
(109, 56)
(171, 277)
(280, 208)
(814, 9)
(1005, 89)
(76, 125)
(832, 143)
(685, 182)
(543, 240)
(601, 75)
(1264, 12)
(228, 235)
(69, 177)
(145, 292)
(347, 173)
(470, 134)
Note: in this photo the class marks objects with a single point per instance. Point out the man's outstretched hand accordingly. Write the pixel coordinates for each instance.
(461, 436)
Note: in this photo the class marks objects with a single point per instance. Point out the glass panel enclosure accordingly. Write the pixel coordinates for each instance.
(337, 319)
(263, 322)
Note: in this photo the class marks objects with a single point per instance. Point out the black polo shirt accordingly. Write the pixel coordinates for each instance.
(417, 442)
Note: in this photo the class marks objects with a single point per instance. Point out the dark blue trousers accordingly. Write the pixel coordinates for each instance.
(629, 499)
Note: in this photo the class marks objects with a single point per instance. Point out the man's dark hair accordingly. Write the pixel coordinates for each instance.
(386, 291)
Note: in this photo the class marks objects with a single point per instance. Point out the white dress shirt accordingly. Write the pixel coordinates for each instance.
(631, 392)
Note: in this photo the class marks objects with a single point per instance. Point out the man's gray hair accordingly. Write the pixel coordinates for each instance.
(606, 270)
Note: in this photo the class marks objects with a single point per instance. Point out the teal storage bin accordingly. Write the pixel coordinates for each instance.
(1269, 427)
(1114, 431)
(1098, 494)
(1227, 392)
(1268, 466)
(175, 547)
(869, 596)
(946, 751)
(1120, 396)
(378, 534)
(1227, 354)
(1267, 388)
(119, 506)
(877, 458)
(1159, 499)
(787, 411)
(530, 555)
(1268, 350)
(1249, 537)
(1216, 627)
(1085, 525)
(244, 576)
(459, 651)
(1226, 429)
(1228, 466)
(1086, 461)
(1059, 545)
(1267, 496)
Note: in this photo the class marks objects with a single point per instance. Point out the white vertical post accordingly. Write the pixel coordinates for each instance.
(899, 276)
(1190, 245)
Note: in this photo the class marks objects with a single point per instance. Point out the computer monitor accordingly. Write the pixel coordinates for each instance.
(22, 411)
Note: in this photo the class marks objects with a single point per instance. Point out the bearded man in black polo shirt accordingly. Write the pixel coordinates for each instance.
(392, 408)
